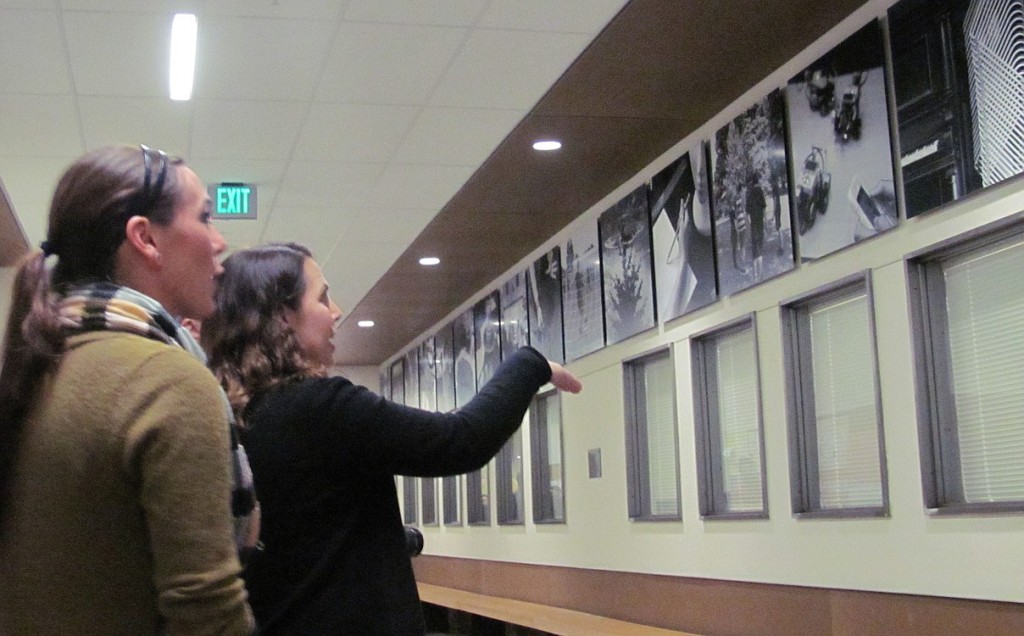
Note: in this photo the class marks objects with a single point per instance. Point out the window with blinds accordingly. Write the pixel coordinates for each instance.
(450, 497)
(969, 324)
(428, 500)
(478, 497)
(409, 511)
(837, 458)
(508, 477)
(727, 413)
(547, 459)
(652, 447)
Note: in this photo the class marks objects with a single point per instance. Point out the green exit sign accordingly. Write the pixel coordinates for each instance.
(233, 200)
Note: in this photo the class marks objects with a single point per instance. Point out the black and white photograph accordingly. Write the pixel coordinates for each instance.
(428, 378)
(959, 96)
(487, 336)
(684, 241)
(465, 358)
(398, 381)
(545, 305)
(515, 327)
(444, 368)
(842, 172)
(750, 190)
(582, 314)
(626, 260)
(412, 377)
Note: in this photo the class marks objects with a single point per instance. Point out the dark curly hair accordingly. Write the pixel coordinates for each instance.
(251, 348)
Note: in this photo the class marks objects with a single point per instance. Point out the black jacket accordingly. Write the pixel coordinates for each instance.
(324, 453)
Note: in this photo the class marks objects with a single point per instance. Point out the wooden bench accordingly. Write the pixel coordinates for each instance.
(555, 620)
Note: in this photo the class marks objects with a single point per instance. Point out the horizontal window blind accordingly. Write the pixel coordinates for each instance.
(848, 457)
(738, 430)
(661, 438)
(985, 307)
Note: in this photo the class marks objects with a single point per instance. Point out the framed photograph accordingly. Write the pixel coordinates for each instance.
(487, 336)
(582, 313)
(398, 381)
(841, 178)
(627, 264)
(544, 303)
(465, 358)
(444, 368)
(428, 377)
(958, 85)
(750, 197)
(684, 241)
(515, 326)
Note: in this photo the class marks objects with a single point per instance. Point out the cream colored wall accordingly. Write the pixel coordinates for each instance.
(970, 556)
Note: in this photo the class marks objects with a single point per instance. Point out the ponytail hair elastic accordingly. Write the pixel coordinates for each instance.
(49, 249)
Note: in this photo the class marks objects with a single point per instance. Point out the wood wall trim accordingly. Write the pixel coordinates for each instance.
(553, 620)
(712, 606)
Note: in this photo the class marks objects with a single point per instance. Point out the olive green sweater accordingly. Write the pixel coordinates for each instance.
(118, 519)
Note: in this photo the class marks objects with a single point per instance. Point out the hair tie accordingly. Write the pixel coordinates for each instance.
(48, 249)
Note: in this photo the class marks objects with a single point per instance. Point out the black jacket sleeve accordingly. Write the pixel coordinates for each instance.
(353, 427)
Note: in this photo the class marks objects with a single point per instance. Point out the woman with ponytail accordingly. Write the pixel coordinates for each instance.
(119, 472)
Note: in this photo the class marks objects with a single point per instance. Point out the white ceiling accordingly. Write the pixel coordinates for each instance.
(357, 119)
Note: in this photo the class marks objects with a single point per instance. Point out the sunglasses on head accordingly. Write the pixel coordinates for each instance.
(144, 200)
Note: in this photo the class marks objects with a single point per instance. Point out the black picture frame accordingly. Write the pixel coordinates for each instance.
(841, 178)
(544, 302)
(750, 194)
(682, 228)
(627, 265)
(582, 299)
(464, 362)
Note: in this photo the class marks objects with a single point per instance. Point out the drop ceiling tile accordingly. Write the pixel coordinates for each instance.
(39, 126)
(240, 233)
(456, 136)
(301, 9)
(264, 174)
(387, 63)
(566, 16)
(124, 55)
(30, 182)
(353, 132)
(507, 69)
(132, 6)
(438, 12)
(259, 58)
(384, 225)
(330, 185)
(27, 4)
(316, 228)
(45, 70)
(155, 121)
(409, 188)
(262, 130)
(354, 266)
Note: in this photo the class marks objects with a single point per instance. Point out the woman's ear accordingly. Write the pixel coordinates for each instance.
(139, 238)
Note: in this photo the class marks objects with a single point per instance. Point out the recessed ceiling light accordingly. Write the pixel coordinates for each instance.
(365, 323)
(429, 260)
(547, 144)
(183, 55)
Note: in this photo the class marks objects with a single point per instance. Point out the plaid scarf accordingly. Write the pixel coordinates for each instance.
(110, 307)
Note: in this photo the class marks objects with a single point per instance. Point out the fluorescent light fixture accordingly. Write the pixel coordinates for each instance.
(184, 30)
(429, 260)
(547, 144)
(365, 324)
